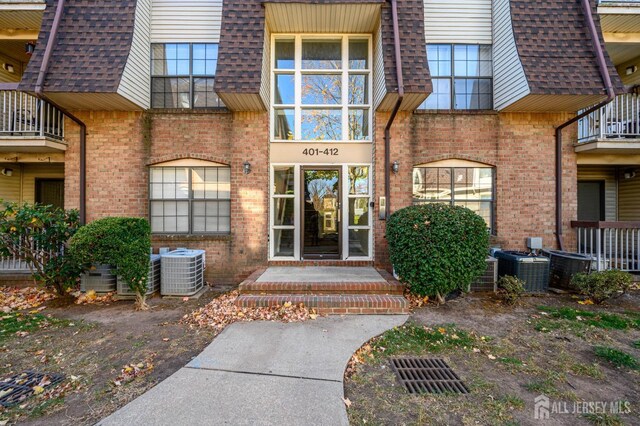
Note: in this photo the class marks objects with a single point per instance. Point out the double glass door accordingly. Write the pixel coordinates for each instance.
(321, 211)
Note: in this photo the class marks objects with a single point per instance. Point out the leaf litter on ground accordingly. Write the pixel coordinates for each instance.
(17, 299)
(222, 311)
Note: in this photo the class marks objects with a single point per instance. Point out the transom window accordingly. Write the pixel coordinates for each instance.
(190, 200)
(462, 77)
(321, 88)
(182, 75)
(471, 187)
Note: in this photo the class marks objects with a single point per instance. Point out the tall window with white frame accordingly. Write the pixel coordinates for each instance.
(321, 88)
(359, 214)
(182, 75)
(462, 76)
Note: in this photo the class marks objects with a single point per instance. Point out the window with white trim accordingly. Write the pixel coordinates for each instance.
(471, 187)
(462, 76)
(359, 225)
(190, 200)
(321, 88)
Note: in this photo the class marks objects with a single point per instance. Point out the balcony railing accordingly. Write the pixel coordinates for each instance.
(612, 245)
(23, 115)
(617, 121)
(625, 2)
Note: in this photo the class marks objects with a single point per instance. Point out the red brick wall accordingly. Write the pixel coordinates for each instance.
(117, 176)
(521, 147)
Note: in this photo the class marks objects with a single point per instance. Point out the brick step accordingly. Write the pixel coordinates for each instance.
(331, 304)
(379, 287)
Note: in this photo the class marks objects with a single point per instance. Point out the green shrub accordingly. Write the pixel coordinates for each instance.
(600, 286)
(437, 248)
(122, 242)
(510, 289)
(37, 234)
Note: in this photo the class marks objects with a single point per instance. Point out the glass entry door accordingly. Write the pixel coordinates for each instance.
(321, 237)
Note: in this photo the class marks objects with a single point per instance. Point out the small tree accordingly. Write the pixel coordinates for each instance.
(37, 234)
(122, 242)
(437, 248)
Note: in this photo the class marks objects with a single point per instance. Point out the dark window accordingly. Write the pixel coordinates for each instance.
(462, 77)
(182, 75)
(190, 200)
(471, 187)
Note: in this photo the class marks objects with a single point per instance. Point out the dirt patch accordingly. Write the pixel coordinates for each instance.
(511, 355)
(93, 345)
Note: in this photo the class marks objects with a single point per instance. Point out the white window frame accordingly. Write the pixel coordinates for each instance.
(297, 220)
(298, 72)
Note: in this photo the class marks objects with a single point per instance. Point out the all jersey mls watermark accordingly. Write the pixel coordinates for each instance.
(544, 408)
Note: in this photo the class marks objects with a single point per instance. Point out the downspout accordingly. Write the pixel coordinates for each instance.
(606, 78)
(44, 66)
(394, 112)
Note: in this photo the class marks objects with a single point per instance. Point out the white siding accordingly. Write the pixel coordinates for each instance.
(509, 80)
(458, 21)
(10, 185)
(379, 85)
(629, 199)
(608, 175)
(186, 21)
(135, 81)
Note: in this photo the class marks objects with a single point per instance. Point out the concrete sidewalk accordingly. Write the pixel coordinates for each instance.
(261, 373)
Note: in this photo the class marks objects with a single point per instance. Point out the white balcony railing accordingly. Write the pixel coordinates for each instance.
(612, 245)
(22, 114)
(607, 2)
(618, 120)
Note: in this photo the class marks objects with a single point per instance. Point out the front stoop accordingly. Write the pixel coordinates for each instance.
(333, 297)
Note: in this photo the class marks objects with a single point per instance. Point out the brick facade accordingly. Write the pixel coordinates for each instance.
(121, 145)
(520, 146)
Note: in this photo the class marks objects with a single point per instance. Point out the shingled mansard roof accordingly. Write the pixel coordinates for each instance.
(555, 48)
(242, 41)
(92, 47)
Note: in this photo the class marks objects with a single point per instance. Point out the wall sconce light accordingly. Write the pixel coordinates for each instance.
(7, 172)
(630, 70)
(395, 167)
(629, 174)
(8, 68)
(29, 48)
(246, 167)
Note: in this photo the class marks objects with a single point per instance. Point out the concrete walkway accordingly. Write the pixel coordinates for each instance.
(261, 373)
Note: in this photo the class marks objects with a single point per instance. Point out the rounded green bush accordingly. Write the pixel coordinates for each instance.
(437, 248)
(122, 242)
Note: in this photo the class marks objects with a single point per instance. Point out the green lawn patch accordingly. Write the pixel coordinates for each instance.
(604, 419)
(415, 339)
(571, 318)
(617, 357)
(17, 324)
(636, 344)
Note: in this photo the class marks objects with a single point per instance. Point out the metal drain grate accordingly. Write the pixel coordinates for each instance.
(426, 375)
(19, 387)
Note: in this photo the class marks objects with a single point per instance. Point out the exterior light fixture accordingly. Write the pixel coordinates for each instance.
(29, 48)
(7, 172)
(630, 70)
(395, 167)
(246, 167)
(8, 68)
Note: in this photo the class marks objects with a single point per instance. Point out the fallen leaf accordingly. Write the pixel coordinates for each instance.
(38, 390)
(313, 316)
(586, 302)
(166, 339)
(185, 299)
(347, 402)
(491, 356)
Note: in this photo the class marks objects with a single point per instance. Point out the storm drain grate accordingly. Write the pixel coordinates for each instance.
(427, 375)
(19, 387)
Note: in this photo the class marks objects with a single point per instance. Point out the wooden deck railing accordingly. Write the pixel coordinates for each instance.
(612, 245)
(22, 114)
(619, 120)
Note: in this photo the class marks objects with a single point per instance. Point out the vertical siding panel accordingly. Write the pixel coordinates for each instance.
(608, 175)
(629, 199)
(135, 82)
(265, 87)
(458, 21)
(509, 80)
(379, 87)
(10, 185)
(186, 21)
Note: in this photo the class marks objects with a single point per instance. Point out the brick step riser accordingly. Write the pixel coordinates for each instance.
(321, 292)
(320, 288)
(331, 304)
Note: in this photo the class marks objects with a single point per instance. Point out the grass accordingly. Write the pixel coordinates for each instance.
(589, 318)
(636, 344)
(604, 419)
(15, 323)
(589, 370)
(617, 357)
(510, 361)
(415, 339)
